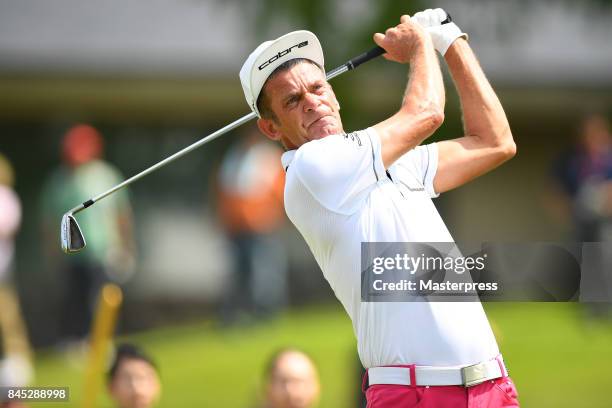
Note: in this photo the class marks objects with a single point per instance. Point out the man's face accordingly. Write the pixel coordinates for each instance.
(135, 385)
(294, 383)
(305, 106)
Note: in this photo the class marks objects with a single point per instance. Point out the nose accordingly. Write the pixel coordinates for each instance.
(311, 102)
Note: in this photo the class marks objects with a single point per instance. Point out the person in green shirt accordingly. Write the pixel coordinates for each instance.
(110, 248)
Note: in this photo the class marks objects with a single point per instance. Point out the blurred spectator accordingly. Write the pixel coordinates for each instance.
(133, 379)
(109, 255)
(583, 178)
(15, 365)
(292, 380)
(249, 193)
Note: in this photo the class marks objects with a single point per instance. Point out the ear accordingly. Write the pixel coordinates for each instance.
(269, 128)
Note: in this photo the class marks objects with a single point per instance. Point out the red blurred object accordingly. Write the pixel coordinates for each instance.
(81, 144)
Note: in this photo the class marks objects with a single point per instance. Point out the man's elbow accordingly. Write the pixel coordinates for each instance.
(510, 150)
(437, 118)
(413, 128)
(431, 120)
(506, 145)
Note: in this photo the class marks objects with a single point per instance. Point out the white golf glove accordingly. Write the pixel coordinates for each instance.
(443, 35)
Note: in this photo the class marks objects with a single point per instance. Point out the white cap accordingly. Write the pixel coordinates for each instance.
(270, 54)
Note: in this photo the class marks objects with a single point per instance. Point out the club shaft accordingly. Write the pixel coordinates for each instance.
(177, 155)
(337, 71)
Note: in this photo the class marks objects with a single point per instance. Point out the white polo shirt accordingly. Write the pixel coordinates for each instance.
(338, 195)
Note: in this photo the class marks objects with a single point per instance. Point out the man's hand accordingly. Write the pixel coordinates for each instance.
(402, 41)
(443, 35)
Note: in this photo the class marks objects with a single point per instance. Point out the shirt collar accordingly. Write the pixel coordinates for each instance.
(287, 158)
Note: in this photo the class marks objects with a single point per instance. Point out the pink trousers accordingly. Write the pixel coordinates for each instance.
(497, 393)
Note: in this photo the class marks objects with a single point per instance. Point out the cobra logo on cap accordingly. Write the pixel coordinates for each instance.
(282, 54)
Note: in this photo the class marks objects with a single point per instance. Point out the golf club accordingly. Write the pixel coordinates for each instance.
(71, 237)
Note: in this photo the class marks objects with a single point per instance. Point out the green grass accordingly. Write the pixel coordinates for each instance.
(555, 357)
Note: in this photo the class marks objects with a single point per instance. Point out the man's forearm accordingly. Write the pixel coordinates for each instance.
(425, 89)
(483, 114)
(422, 110)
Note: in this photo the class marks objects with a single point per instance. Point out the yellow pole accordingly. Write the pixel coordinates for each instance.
(12, 327)
(103, 327)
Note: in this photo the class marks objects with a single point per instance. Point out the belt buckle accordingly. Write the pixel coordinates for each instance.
(474, 375)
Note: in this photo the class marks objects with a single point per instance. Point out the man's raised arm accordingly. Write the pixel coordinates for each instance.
(422, 110)
(488, 141)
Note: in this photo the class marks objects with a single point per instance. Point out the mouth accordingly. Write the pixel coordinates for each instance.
(317, 120)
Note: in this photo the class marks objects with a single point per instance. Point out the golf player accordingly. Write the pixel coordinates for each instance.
(377, 185)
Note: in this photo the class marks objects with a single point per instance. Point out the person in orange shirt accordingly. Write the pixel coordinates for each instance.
(249, 191)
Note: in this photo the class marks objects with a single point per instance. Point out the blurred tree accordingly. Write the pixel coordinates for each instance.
(348, 25)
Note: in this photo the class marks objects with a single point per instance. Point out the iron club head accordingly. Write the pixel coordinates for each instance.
(72, 240)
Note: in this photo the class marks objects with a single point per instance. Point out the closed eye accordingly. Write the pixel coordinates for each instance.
(318, 87)
(292, 100)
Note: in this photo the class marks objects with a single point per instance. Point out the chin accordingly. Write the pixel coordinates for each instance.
(324, 132)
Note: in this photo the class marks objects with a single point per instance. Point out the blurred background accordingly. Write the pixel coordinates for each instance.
(93, 92)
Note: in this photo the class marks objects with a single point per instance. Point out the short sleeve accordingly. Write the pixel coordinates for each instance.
(422, 164)
(340, 170)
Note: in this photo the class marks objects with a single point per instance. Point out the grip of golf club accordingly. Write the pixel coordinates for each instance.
(365, 57)
(377, 51)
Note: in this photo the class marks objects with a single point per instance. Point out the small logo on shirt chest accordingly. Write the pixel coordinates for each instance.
(354, 137)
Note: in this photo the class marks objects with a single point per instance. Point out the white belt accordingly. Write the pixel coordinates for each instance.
(428, 375)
